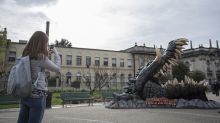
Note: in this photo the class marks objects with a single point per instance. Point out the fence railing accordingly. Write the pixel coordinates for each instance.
(83, 86)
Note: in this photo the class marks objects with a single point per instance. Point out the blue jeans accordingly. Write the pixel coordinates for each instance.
(32, 110)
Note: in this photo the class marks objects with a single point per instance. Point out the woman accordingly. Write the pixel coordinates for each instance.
(32, 108)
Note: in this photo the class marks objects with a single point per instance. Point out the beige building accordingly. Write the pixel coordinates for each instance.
(77, 63)
(205, 59)
(119, 66)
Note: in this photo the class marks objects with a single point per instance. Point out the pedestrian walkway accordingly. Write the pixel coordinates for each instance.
(77, 105)
(82, 113)
(100, 114)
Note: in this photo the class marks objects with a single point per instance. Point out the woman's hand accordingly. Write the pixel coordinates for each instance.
(53, 50)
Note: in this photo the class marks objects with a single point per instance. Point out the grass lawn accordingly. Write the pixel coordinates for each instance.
(6, 106)
(55, 100)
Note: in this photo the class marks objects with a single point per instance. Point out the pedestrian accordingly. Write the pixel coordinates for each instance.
(32, 108)
(216, 86)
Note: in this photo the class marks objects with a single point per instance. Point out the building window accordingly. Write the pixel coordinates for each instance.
(122, 64)
(129, 63)
(129, 76)
(78, 76)
(208, 66)
(97, 61)
(12, 56)
(68, 78)
(79, 60)
(114, 62)
(141, 61)
(105, 62)
(122, 77)
(114, 77)
(69, 59)
(88, 61)
(61, 61)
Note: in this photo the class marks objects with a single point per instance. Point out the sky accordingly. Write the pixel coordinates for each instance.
(114, 24)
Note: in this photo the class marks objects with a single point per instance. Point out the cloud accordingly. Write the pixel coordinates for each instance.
(35, 2)
(21, 21)
(157, 22)
(112, 24)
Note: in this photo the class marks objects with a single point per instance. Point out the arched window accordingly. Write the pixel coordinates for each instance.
(129, 76)
(68, 77)
(114, 77)
(78, 76)
(208, 65)
(122, 77)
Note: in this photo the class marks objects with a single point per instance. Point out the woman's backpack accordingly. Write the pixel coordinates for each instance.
(19, 80)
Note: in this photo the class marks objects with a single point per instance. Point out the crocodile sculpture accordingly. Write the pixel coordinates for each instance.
(152, 71)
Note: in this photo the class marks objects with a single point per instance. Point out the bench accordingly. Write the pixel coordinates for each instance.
(7, 99)
(70, 97)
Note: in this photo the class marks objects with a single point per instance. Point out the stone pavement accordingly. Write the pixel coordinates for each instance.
(99, 114)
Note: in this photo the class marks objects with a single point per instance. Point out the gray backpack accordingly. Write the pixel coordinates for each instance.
(19, 80)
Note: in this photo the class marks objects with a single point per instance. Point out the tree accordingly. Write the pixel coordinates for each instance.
(63, 43)
(180, 71)
(102, 77)
(197, 75)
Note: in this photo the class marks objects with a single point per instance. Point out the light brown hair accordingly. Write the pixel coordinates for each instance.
(36, 47)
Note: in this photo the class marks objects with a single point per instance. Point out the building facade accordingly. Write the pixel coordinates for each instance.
(205, 59)
(80, 63)
(76, 63)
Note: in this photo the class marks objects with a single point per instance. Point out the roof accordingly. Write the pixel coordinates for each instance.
(141, 50)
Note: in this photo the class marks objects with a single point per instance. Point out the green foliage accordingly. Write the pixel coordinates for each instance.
(180, 71)
(63, 43)
(7, 106)
(56, 98)
(197, 75)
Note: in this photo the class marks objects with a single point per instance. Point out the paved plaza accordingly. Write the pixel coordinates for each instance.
(99, 114)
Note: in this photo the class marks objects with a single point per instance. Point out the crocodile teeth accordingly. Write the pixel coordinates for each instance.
(167, 65)
(180, 43)
(171, 62)
(176, 55)
(158, 55)
(179, 47)
(183, 40)
(164, 68)
(156, 75)
(173, 59)
(165, 74)
(178, 51)
(161, 71)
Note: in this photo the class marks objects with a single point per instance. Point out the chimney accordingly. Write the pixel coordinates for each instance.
(161, 47)
(47, 28)
(210, 43)
(217, 44)
(135, 44)
(191, 45)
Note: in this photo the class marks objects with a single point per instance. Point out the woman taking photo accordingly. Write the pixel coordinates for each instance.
(32, 108)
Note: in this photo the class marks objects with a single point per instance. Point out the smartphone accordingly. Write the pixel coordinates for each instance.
(51, 46)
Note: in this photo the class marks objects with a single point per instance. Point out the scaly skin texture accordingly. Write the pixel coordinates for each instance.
(152, 71)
